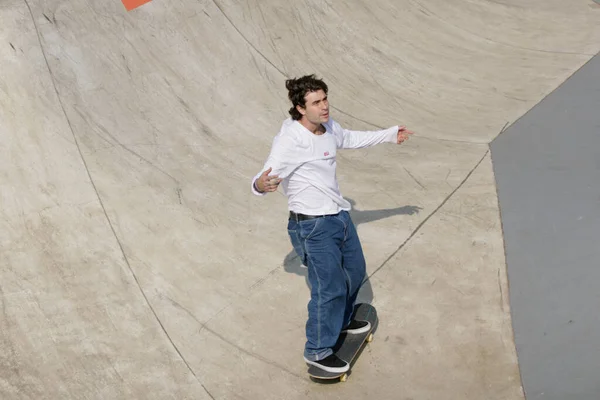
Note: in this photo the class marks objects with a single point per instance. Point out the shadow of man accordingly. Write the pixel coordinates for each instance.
(292, 264)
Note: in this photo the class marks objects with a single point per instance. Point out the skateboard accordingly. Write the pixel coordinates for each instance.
(349, 346)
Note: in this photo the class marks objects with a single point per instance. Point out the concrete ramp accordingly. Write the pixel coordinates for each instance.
(135, 263)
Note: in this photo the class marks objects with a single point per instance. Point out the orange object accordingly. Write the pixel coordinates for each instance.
(131, 4)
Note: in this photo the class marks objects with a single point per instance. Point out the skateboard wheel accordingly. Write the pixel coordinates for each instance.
(370, 338)
(344, 378)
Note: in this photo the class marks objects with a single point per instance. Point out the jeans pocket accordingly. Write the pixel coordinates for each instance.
(297, 245)
(309, 227)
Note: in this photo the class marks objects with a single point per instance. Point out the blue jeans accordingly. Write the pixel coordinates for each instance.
(330, 248)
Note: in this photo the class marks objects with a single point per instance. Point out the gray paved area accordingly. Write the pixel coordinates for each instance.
(547, 168)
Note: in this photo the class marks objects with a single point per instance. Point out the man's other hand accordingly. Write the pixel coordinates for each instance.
(266, 183)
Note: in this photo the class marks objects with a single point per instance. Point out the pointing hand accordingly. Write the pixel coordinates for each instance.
(403, 134)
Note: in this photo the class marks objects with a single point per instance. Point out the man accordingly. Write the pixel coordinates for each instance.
(303, 160)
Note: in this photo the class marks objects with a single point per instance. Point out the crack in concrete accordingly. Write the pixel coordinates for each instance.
(117, 143)
(418, 228)
(501, 292)
(415, 179)
(251, 354)
(488, 151)
(204, 327)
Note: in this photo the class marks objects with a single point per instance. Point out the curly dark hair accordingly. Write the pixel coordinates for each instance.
(298, 88)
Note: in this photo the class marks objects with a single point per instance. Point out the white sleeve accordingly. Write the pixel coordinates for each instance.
(282, 160)
(348, 139)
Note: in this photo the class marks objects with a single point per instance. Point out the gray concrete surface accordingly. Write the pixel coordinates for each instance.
(135, 262)
(547, 168)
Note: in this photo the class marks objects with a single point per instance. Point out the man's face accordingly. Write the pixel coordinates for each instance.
(317, 107)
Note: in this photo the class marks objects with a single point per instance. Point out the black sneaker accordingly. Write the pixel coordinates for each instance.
(331, 363)
(355, 327)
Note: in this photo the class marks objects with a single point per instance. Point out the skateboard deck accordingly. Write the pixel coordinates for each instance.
(349, 346)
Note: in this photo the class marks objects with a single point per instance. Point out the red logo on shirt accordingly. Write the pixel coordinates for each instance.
(326, 154)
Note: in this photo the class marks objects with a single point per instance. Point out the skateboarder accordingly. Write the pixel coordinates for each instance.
(303, 160)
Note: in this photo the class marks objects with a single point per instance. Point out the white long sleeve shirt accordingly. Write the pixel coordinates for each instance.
(306, 163)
